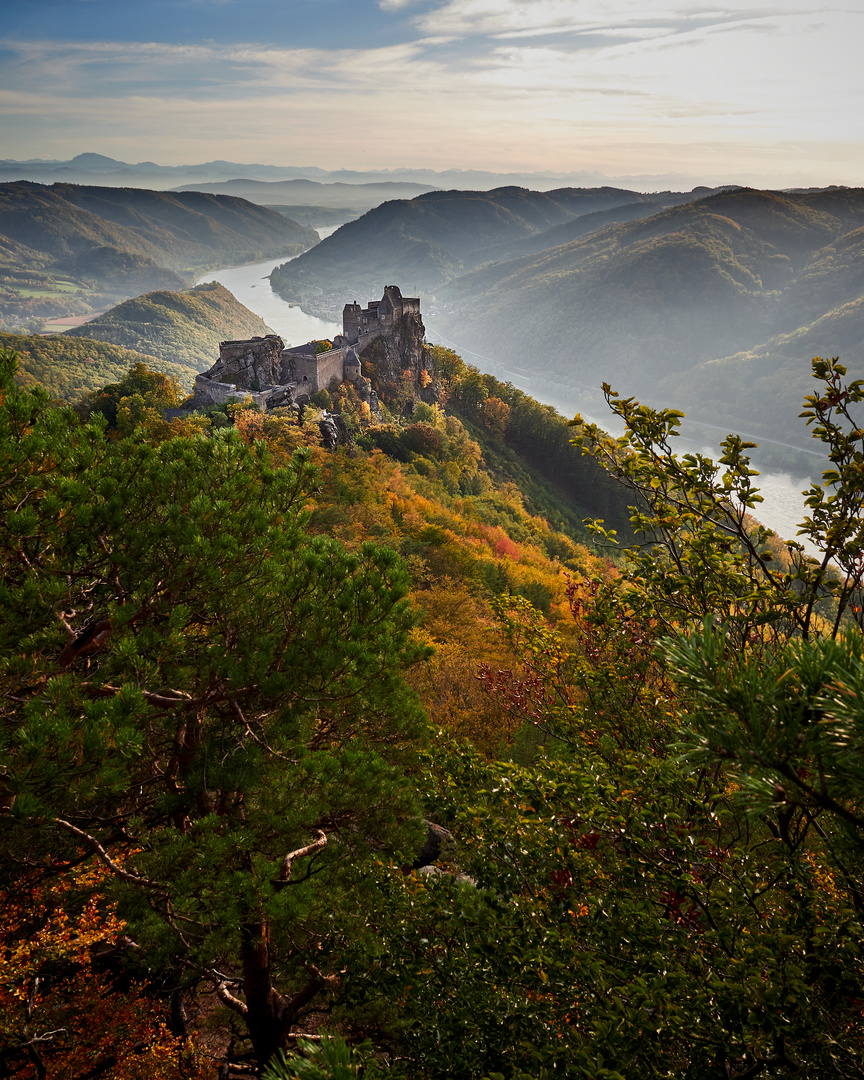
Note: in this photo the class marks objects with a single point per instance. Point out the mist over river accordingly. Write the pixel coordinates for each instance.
(783, 506)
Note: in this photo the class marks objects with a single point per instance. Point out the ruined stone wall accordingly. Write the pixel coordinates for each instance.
(220, 392)
(300, 368)
(331, 365)
(312, 372)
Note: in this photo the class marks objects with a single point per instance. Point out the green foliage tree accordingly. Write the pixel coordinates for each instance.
(667, 882)
(142, 392)
(201, 697)
(706, 555)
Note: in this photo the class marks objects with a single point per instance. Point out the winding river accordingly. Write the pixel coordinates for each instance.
(783, 505)
(251, 287)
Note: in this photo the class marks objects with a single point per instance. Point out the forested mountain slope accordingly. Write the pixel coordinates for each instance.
(428, 240)
(68, 248)
(69, 367)
(180, 328)
(762, 277)
(355, 742)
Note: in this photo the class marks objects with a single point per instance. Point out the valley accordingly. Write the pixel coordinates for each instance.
(714, 302)
(70, 250)
(781, 488)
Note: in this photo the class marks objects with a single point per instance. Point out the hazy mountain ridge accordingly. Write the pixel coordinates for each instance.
(644, 305)
(760, 389)
(174, 230)
(358, 197)
(427, 240)
(181, 329)
(89, 168)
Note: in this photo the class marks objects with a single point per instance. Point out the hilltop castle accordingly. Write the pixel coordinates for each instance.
(263, 369)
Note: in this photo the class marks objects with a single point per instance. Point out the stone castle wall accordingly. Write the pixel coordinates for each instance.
(220, 392)
(331, 365)
(263, 369)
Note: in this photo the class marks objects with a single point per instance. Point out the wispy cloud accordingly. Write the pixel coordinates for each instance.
(521, 84)
(396, 5)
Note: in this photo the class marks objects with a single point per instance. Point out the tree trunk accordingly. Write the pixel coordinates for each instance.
(269, 1017)
(266, 1017)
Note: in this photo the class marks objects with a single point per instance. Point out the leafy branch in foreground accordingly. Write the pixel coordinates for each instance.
(703, 552)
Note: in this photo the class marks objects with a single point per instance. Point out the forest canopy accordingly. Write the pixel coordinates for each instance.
(354, 756)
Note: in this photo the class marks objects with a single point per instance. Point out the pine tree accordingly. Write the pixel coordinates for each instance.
(199, 696)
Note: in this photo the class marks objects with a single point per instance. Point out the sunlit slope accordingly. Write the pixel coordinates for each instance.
(179, 328)
(68, 367)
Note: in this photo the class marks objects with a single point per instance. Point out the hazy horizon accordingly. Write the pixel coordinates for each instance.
(768, 96)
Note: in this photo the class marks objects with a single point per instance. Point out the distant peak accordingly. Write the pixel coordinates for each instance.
(96, 160)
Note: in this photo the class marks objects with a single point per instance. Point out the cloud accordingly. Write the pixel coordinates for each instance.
(497, 18)
(510, 84)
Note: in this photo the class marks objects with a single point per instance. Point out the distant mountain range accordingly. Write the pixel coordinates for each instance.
(97, 169)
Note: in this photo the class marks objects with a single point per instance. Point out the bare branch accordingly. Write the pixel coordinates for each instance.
(227, 998)
(261, 742)
(163, 701)
(299, 853)
(114, 867)
(88, 641)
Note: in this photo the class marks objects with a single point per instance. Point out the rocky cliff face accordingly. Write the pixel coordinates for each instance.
(250, 365)
(399, 351)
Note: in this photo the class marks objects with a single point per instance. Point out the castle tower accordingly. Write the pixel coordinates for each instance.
(351, 317)
(352, 365)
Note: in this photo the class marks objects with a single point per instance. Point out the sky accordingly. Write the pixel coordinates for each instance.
(725, 92)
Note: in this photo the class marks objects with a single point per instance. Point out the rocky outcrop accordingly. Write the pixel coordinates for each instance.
(438, 844)
(335, 432)
(403, 348)
(251, 364)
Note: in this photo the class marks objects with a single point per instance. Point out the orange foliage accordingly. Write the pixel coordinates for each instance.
(458, 555)
(60, 1015)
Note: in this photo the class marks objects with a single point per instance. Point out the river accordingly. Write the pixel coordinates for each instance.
(783, 506)
(251, 287)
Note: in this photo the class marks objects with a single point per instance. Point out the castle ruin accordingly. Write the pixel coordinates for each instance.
(272, 375)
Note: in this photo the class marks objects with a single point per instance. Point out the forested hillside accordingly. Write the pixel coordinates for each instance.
(716, 306)
(68, 368)
(437, 236)
(322, 764)
(182, 329)
(70, 248)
